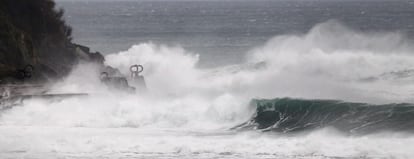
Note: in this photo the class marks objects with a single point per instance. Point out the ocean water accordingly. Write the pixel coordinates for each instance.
(230, 79)
(223, 31)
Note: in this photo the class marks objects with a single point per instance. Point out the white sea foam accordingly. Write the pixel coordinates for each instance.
(331, 61)
(52, 142)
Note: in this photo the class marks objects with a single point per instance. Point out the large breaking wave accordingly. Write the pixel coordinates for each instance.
(188, 112)
(297, 115)
(331, 61)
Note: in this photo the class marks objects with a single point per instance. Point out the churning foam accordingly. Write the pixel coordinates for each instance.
(331, 61)
(133, 143)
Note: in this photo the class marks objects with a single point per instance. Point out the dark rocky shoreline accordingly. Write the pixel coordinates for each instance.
(35, 43)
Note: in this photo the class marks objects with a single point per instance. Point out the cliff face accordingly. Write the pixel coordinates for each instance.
(15, 48)
(33, 32)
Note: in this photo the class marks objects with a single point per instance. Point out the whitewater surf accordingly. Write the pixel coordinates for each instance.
(340, 83)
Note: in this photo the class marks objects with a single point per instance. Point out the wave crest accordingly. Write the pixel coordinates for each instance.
(297, 115)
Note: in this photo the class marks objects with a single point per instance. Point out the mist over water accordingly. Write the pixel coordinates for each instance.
(188, 111)
(331, 61)
(212, 65)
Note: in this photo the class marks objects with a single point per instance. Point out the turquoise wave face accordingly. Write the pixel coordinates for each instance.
(286, 115)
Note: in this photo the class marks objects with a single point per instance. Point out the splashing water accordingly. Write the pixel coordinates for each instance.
(189, 111)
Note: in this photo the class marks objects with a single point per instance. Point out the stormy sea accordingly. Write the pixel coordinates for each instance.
(302, 79)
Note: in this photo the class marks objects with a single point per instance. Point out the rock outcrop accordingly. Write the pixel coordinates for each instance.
(34, 34)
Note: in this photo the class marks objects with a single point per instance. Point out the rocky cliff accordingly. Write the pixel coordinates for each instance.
(35, 42)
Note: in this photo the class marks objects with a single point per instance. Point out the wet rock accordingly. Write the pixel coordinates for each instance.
(34, 33)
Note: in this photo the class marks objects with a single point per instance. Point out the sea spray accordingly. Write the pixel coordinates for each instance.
(181, 94)
(189, 110)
